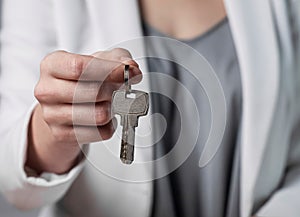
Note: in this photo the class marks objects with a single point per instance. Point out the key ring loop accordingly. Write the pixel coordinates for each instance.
(126, 79)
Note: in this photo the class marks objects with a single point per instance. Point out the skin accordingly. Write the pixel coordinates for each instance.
(183, 19)
(52, 143)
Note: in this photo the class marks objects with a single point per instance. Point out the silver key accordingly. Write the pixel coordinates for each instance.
(130, 105)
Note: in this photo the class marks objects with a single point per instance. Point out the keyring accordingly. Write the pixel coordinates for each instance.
(126, 79)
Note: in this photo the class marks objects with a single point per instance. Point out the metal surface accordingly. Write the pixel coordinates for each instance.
(126, 79)
(130, 108)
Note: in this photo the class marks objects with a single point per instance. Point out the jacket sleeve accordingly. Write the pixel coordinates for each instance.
(286, 200)
(27, 35)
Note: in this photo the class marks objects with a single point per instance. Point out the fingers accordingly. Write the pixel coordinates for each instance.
(116, 54)
(81, 123)
(87, 114)
(75, 93)
(94, 134)
(82, 134)
(68, 66)
(61, 91)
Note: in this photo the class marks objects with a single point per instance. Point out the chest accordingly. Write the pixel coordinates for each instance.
(182, 19)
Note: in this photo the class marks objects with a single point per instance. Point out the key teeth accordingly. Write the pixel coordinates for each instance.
(126, 153)
(126, 161)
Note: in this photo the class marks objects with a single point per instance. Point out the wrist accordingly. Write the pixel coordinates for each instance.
(44, 154)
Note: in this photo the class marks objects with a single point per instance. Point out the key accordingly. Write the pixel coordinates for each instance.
(130, 105)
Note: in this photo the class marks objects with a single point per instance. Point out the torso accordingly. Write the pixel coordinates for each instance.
(182, 19)
(190, 190)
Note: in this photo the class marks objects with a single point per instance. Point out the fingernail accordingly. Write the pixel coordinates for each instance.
(128, 60)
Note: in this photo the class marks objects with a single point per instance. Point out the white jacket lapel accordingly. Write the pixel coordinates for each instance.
(254, 36)
(120, 32)
(115, 20)
(109, 23)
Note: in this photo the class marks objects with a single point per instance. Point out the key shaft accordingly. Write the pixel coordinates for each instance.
(128, 122)
(127, 143)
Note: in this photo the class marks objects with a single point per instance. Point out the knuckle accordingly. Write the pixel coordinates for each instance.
(46, 61)
(54, 115)
(40, 93)
(103, 96)
(110, 133)
(43, 94)
(106, 136)
(121, 52)
(99, 96)
(99, 54)
(102, 114)
(107, 131)
(61, 134)
(48, 115)
(44, 66)
(65, 117)
(76, 65)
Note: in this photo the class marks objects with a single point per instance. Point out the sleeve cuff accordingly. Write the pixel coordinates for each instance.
(21, 189)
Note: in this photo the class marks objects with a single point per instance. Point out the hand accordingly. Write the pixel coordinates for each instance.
(52, 143)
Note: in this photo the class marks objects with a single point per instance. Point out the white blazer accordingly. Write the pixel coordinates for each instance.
(270, 165)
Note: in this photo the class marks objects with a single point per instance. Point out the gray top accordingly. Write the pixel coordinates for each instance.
(212, 191)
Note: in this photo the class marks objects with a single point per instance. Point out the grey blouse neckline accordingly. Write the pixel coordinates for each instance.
(190, 191)
(195, 39)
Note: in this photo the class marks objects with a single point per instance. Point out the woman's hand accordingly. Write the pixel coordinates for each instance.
(53, 145)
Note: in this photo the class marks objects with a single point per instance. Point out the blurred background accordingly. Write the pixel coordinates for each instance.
(7, 210)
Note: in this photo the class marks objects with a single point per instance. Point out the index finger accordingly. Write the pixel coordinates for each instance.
(69, 66)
